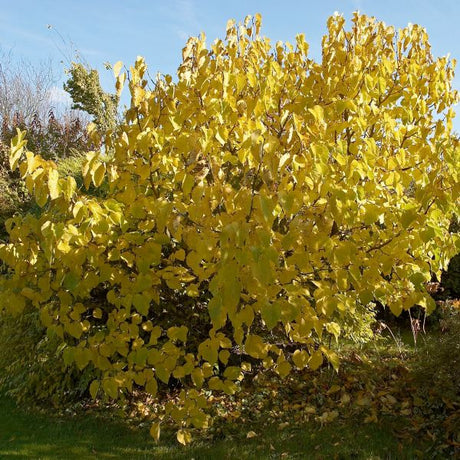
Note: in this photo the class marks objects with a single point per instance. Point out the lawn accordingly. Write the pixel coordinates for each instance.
(378, 406)
(44, 436)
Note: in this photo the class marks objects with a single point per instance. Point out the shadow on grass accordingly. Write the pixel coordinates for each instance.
(39, 436)
(32, 435)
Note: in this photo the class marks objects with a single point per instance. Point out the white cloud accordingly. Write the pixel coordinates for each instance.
(357, 5)
(186, 9)
(181, 34)
(186, 20)
(59, 96)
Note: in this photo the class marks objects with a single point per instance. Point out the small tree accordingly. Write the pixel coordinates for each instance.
(87, 94)
(256, 209)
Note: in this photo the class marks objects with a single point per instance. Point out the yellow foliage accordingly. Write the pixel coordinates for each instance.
(266, 191)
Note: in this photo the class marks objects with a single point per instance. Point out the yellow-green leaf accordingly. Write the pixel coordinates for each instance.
(155, 431)
(94, 388)
(316, 359)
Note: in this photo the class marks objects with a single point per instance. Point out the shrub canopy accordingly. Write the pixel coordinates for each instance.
(254, 208)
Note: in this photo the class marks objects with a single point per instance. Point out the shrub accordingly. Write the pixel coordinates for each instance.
(450, 280)
(52, 138)
(57, 139)
(31, 365)
(436, 375)
(252, 211)
(438, 367)
(13, 193)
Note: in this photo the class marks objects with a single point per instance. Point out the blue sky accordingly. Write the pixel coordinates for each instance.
(109, 31)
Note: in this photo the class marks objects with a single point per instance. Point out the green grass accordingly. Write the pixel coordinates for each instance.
(276, 411)
(26, 435)
(35, 435)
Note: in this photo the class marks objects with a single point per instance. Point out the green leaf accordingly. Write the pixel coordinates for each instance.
(142, 303)
(71, 281)
(271, 314)
(217, 312)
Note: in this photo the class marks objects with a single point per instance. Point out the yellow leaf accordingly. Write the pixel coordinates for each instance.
(229, 387)
(116, 68)
(255, 346)
(224, 355)
(332, 357)
(334, 329)
(333, 389)
(98, 173)
(215, 383)
(110, 387)
(53, 184)
(316, 359)
(188, 184)
(120, 83)
(230, 24)
(178, 333)
(220, 138)
(197, 377)
(258, 22)
(75, 329)
(151, 387)
(155, 431)
(310, 410)
(251, 434)
(283, 369)
(232, 373)
(318, 112)
(17, 146)
(68, 187)
(300, 358)
(41, 194)
(184, 437)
